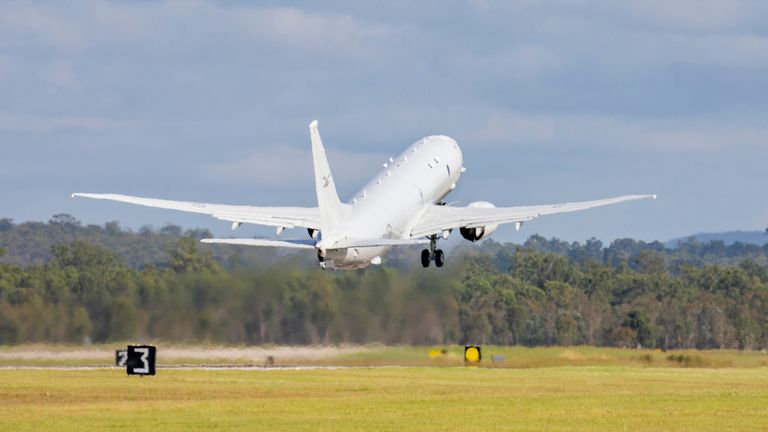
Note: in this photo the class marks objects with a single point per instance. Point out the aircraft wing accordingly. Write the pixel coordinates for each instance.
(440, 218)
(286, 217)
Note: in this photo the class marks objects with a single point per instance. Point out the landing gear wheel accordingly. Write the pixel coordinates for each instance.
(439, 258)
(425, 258)
(321, 259)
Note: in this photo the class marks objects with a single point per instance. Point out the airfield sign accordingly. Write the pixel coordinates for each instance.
(472, 354)
(141, 360)
(121, 358)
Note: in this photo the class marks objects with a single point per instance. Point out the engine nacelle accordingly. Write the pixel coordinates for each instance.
(478, 233)
(313, 233)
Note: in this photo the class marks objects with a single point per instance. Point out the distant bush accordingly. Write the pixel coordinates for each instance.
(687, 360)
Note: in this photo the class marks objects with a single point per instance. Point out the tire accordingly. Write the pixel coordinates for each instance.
(439, 258)
(425, 258)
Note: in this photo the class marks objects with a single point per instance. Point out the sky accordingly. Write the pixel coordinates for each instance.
(550, 102)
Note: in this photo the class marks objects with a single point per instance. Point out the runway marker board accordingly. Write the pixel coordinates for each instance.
(121, 357)
(141, 360)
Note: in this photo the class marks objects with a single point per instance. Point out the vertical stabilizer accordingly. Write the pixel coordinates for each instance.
(327, 198)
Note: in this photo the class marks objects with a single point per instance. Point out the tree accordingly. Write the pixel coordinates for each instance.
(65, 219)
(122, 319)
(83, 255)
(198, 233)
(650, 262)
(9, 327)
(642, 328)
(171, 230)
(7, 224)
(81, 283)
(112, 228)
(185, 256)
(80, 325)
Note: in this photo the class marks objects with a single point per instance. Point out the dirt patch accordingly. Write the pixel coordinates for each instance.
(571, 355)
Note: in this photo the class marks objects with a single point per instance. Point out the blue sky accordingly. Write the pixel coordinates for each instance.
(550, 101)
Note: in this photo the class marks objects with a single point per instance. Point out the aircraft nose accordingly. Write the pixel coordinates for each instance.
(455, 157)
(455, 151)
(458, 155)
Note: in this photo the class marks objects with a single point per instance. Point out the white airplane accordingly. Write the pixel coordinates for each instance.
(402, 206)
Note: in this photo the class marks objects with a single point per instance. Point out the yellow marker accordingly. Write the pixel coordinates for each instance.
(472, 354)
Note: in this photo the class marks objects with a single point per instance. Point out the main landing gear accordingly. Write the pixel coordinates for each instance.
(321, 259)
(432, 254)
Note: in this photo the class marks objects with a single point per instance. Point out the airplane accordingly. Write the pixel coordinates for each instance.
(403, 205)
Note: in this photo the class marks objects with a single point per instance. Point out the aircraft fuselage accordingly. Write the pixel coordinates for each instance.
(393, 201)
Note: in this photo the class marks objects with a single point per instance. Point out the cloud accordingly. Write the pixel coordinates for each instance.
(731, 51)
(82, 27)
(687, 15)
(612, 132)
(287, 167)
(209, 96)
(41, 124)
(60, 73)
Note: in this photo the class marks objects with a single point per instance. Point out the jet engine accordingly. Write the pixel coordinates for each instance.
(313, 233)
(477, 233)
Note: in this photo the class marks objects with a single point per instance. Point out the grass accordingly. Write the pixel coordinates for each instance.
(522, 357)
(608, 398)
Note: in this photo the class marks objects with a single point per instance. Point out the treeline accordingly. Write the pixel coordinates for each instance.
(32, 243)
(545, 292)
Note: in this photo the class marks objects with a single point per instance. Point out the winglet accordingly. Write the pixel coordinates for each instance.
(327, 198)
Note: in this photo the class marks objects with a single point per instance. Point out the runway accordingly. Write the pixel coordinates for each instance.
(210, 367)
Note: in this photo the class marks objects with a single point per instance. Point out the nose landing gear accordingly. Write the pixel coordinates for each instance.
(432, 254)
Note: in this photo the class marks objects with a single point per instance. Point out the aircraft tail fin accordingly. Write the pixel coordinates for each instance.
(331, 209)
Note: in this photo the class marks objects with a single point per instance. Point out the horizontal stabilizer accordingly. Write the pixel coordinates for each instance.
(310, 244)
(359, 243)
(295, 244)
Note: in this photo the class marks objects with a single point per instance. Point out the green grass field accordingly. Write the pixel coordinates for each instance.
(556, 398)
(559, 388)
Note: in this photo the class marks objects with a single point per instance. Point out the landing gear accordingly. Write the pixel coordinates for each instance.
(425, 258)
(321, 259)
(433, 253)
(439, 258)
